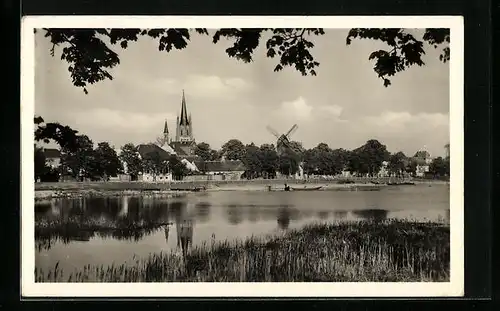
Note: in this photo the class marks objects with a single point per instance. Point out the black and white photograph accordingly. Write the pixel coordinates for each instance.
(170, 156)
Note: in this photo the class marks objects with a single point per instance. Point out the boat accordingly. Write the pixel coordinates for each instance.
(403, 183)
(198, 189)
(306, 189)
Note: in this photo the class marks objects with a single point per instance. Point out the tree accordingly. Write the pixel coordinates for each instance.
(130, 156)
(233, 150)
(289, 163)
(323, 160)
(177, 168)
(439, 167)
(356, 164)
(411, 166)
(268, 158)
(215, 155)
(90, 57)
(369, 157)
(80, 163)
(204, 151)
(340, 158)
(397, 163)
(154, 164)
(44, 172)
(63, 135)
(252, 161)
(107, 160)
(40, 163)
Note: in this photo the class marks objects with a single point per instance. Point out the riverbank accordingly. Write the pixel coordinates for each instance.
(390, 251)
(41, 195)
(85, 189)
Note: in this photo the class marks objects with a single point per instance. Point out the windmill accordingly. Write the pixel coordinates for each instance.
(283, 140)
(283, 143)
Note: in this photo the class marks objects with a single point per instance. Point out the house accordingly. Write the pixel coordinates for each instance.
(146, 151)
(52, 157)
(423, 160)
(384, 170)
(222, 170)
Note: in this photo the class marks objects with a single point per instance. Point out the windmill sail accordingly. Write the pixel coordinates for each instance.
(291, 131)
(273, 131)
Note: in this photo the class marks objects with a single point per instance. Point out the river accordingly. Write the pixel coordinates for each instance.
(210, 216)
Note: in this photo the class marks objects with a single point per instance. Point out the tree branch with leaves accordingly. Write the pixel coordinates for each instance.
(90, 55)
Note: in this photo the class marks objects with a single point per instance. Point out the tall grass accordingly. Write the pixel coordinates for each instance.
(393, 250)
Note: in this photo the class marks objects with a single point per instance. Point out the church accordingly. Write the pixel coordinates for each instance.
(183, 145)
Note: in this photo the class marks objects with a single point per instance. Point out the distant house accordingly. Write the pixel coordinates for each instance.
(52, 157)
(384, 170)
(145, 152)
(222, 170)
(423, 160)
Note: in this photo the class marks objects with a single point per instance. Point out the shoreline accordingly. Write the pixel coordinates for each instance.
(45, 191)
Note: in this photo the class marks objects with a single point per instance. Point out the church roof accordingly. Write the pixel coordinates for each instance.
(177, 147)
(422, 154)
(184, 120)
(221, 166)
(146, 149)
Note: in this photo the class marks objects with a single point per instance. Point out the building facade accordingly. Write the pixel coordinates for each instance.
(423, 160)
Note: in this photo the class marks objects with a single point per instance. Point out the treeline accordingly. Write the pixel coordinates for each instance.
(367, 160)
(80, 160)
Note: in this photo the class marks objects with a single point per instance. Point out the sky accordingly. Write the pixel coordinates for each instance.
(345, 105)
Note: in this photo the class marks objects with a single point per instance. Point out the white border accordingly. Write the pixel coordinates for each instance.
(453, 288)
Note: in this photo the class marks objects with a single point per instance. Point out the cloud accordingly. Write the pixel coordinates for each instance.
(297, 109)
(103, 119)
(334, 110)
(397, 120)
(204, 86)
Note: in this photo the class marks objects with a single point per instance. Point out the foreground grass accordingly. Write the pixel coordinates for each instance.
(392, 251)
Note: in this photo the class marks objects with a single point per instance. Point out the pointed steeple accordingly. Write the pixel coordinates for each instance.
(165, 128)
(184, 120)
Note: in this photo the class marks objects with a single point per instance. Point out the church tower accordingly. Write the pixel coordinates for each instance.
(166, 135)
(184, 131)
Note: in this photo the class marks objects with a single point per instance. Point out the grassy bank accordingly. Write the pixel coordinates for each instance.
(398, 251)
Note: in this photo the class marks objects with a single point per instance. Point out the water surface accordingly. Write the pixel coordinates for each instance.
(137, 226)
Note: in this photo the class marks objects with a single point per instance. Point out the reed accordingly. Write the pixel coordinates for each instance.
(388, 251)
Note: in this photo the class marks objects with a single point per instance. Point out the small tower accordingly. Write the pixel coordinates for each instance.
(166, 135)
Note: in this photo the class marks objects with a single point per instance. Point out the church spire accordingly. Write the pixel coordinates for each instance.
(165, 128)
(184, 120)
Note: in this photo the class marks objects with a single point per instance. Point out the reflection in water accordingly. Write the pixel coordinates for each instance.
(130, 219)
(202, 212)
(253, 215)
(284, 218)
(184, 226)
(371, 214)
(234, 214)
(166, 230)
